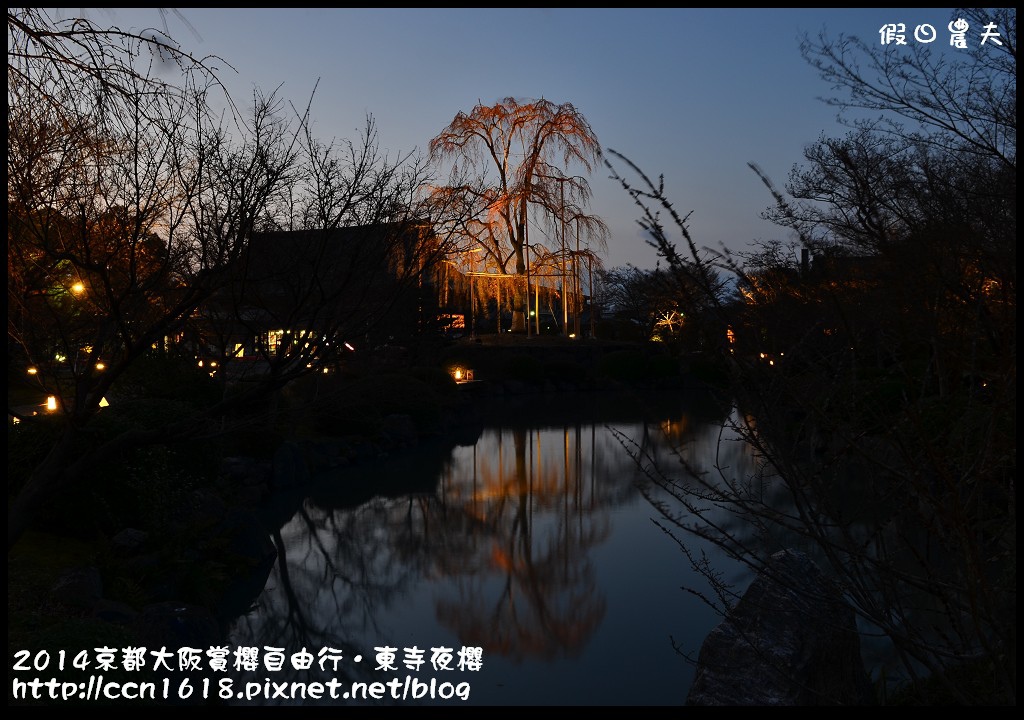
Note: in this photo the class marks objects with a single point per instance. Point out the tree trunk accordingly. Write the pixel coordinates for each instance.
(48, 477)
(518, 316)
(63, 465)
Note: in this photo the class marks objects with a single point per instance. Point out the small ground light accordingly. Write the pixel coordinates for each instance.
(51, 403)
(462, 375)
(32, 371)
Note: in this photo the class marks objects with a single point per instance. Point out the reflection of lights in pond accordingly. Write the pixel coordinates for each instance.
(675, 430)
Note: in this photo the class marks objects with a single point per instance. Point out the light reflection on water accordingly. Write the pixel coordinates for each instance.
(534, 543)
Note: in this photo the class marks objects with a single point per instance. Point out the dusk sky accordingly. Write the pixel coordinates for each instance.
(694, 94)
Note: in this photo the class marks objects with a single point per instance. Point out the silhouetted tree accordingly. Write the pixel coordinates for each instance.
(131, 207)
(645, 300)
(877, 380)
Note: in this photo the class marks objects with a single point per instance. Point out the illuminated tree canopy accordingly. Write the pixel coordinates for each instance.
(508, 156)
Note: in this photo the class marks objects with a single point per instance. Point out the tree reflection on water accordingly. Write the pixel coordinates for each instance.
(496, 538)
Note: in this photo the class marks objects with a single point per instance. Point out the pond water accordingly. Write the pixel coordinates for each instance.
(534, 541)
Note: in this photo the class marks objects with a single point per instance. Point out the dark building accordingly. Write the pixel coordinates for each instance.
(322, 289)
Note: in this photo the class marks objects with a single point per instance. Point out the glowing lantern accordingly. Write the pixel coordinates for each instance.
(462, 375)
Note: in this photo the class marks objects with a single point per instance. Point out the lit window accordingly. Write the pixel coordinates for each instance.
(274, 339)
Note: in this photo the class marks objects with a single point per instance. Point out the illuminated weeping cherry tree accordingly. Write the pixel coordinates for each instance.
(508, 156)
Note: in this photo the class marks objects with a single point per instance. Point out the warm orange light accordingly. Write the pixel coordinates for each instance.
(104, 403)
(100, 366)
(51, 403)
(32, 371)
(461, 375)
(78, 288)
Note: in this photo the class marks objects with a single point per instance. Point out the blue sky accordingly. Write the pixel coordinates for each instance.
(694, 94)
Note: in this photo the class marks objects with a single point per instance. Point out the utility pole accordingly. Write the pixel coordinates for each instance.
(565, 295)
(526, 243)
(593, 305)
(536, 309)
(576, 281)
